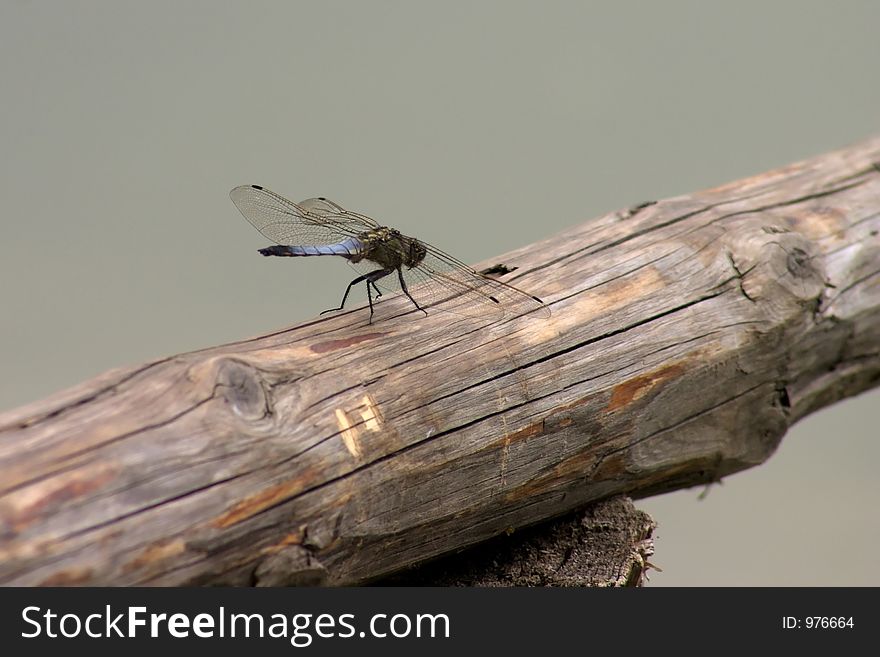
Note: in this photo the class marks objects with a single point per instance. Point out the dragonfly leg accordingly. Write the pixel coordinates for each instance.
(371, 279)
(345, 296)
(406, 291)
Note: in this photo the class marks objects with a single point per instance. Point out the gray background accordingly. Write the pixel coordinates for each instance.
(476, 126)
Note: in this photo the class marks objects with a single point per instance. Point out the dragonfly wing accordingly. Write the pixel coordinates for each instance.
(322, 205)
(450, 285)
(285, 222)
(458, 288)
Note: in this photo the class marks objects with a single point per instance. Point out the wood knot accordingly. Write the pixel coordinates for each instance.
(242, 387)
(798, 263)
(794, 264)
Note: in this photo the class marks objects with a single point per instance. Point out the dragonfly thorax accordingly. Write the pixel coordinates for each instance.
(390, 248)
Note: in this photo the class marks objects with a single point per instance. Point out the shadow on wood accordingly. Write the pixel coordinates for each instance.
(607, 544)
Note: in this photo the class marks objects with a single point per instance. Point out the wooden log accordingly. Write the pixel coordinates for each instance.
(686, 336)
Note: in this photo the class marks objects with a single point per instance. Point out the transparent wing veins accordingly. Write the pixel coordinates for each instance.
(311, 222)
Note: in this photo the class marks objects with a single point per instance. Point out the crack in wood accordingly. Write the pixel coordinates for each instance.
(91, 397)
(741, 275)
(91, 448)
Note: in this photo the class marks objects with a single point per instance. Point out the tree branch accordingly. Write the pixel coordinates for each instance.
(686, 336)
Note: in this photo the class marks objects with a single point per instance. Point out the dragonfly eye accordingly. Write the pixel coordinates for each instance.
(417, 252)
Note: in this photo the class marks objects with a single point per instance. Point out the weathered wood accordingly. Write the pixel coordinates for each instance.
(686, 336)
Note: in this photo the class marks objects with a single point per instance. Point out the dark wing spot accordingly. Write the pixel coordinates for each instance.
(537, 299)
(499, 269)
(494, 299)
(257, 187)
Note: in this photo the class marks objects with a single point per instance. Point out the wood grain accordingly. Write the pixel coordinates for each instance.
(686, 336)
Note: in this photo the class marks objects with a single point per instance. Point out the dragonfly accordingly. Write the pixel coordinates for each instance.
(387, 260)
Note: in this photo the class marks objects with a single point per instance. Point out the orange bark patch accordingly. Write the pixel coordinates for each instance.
(29, 504)
(156, 552)
(528, 431)
(534, 429)
(70, 577)
(265, 499)
(293, 538)
(333, 345)
(631, 390)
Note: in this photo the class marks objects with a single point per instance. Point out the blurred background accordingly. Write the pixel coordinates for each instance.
(477, 126)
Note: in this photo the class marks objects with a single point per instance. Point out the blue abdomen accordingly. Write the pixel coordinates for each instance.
(347, 249)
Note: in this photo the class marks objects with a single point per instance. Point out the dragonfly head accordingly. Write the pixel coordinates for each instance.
(415, 253)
